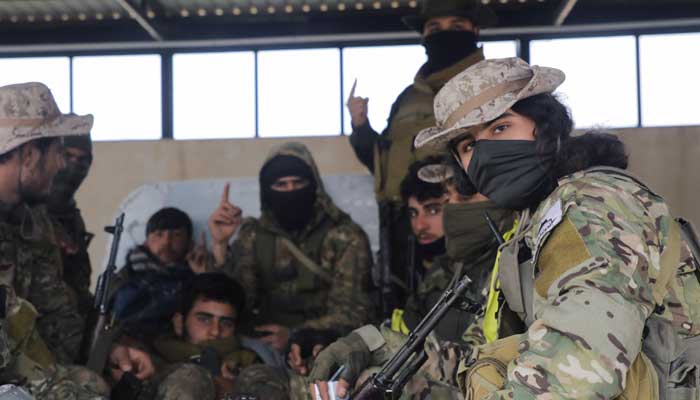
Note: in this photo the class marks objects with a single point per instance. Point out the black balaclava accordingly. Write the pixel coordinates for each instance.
(445, 48)
(292, 210)
(511, 173)
(71, 176)
(467, 232)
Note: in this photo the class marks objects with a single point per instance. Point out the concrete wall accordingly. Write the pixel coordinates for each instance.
(668, 159)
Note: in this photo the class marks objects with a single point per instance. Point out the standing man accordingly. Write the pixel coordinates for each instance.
(68, 225)
(304, 263)
(449, 30)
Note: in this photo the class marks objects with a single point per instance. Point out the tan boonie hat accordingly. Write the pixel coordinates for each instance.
(435, 173)
(28, 111)
(483, 92)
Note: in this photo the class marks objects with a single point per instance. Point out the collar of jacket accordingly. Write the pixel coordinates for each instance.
(175, 349)
(435, 81)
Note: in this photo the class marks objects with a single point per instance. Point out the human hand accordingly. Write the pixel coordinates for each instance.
(278, 337)
(224, 221)
(197, 257)
(357, 106)
(352, 353)
(129, 359)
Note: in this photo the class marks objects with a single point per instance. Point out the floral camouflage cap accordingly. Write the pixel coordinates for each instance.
(435, 173)
(28, 111)
(483, 92)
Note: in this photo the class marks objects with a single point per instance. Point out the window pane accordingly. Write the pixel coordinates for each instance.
(54, 72)
(214, 95)
(299, 92)
(669, 79)
(382, 72)
(601, 77)
(500, 49)
(122, 92)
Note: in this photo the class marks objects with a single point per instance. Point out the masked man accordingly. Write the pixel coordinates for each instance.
(304, 263)
(449, 31)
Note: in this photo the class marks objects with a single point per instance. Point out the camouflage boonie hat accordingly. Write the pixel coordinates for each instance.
(435, 173)
(479, 14)
(481, 93)
(28, 111)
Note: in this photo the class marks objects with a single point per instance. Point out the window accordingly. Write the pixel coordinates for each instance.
(299, 92)
(601, 77)
(122, 92)
(500, 49)
(54, 72)
(382, 72)
(214, 95)
(669, 79)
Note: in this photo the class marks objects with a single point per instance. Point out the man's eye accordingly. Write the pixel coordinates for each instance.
(500, 128)
(203, 319)
(227, 324)
(466, 147)
(434, 211)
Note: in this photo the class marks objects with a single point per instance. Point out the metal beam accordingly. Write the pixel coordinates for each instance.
(563, 11)
(335, 40)
(138, 17)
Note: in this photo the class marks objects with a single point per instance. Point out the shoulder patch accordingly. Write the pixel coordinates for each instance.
(551, 219)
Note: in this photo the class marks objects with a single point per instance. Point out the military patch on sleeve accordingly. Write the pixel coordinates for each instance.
(551, 219)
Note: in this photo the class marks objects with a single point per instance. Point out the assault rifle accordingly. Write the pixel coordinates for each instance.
(388, 383)
(105, 331)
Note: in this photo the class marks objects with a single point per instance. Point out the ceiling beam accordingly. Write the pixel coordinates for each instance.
(141, 19)
(563, 11)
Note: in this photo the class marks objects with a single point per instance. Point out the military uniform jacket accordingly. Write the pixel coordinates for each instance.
(30, 261)
(390, 154)
(280, 289)
(594, 247)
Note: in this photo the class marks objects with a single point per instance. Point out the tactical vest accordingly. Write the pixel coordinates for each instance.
(294, 293)
(675, 359)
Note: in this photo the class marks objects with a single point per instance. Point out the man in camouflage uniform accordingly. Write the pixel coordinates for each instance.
(598, 270)
(449, 31)
(471, 249)
(304, 263)
(68, 224)
(31, 127)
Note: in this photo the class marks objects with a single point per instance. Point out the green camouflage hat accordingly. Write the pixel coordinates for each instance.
(28, 111)
(473, 10)
(481, 93)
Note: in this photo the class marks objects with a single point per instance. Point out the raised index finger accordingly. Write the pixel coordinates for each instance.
(224, 195)
(352, 91)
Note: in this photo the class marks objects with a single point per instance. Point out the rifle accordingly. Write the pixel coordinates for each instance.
(105, 331)
(388, 383)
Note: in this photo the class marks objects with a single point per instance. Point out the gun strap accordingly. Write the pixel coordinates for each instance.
(306, 261)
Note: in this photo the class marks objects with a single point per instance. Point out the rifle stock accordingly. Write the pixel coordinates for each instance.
(105, 333)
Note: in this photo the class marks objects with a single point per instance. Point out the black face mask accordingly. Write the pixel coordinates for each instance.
(293, 210)
(445, 48)
(431, 250)
(65, 184)
(467, 232)
(510, 173)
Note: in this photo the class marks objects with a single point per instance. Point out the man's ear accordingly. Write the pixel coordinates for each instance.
(178, 324)
(28, 155)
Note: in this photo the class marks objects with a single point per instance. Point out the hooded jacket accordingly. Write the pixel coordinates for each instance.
(280, 289)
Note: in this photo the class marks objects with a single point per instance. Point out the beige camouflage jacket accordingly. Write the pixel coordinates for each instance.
(301, 298)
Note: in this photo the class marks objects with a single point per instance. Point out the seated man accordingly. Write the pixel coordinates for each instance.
(201, 357)
(146, 289)
(304, 263)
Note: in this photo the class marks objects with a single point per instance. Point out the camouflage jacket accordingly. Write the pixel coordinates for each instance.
(279, 289)
(390, 154)
(596, 244)
(31, 261)
(73, 240)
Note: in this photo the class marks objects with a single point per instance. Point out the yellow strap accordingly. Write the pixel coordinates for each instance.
(669, 262)
(491, 316)
(397, 323)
